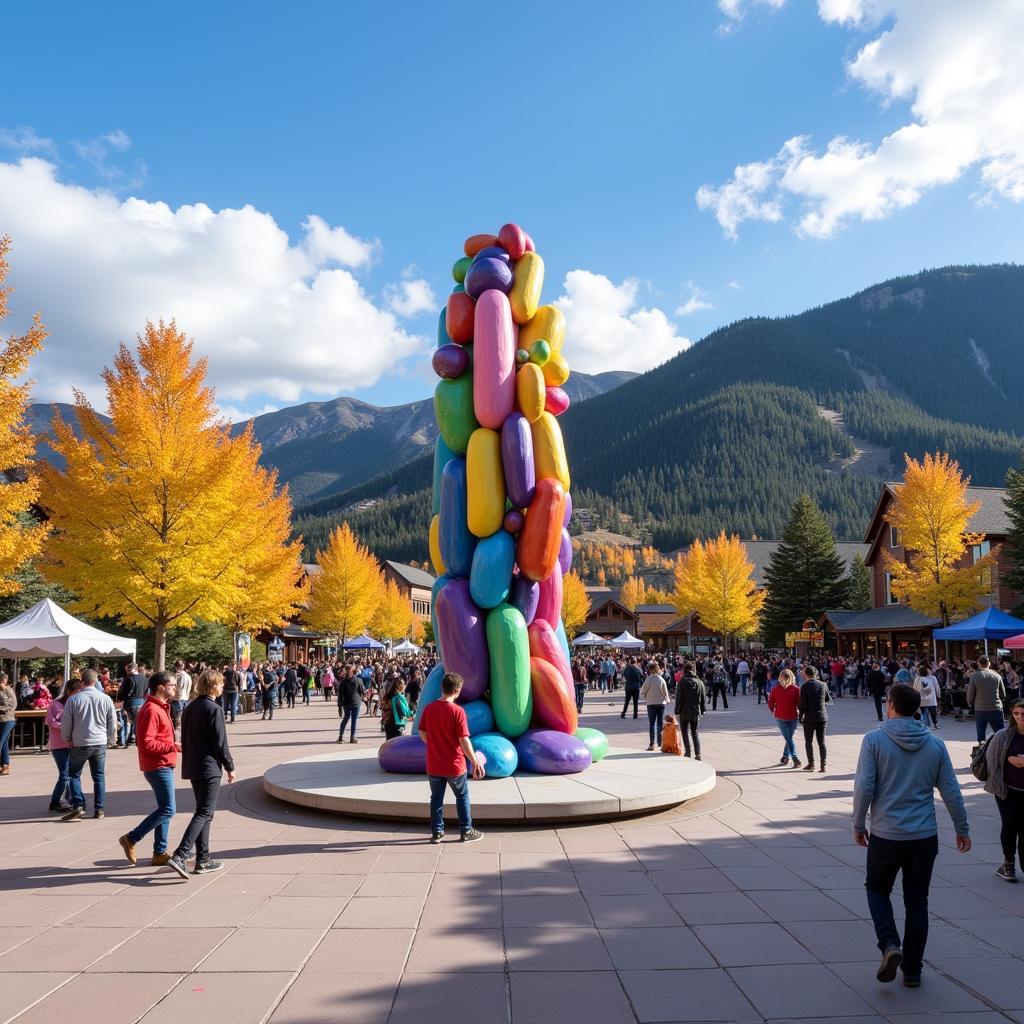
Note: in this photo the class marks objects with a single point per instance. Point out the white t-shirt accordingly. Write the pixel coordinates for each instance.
(928, 687)
(743, 669)
(184, 685)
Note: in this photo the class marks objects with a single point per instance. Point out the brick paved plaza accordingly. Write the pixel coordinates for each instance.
(747, 906)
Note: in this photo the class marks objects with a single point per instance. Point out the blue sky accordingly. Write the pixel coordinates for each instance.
(404, 128)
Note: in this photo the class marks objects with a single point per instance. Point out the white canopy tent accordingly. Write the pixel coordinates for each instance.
(627, 640)
(589, 640)
(406, 647)
(47, 631)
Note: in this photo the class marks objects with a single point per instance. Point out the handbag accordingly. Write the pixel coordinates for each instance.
(979, 760)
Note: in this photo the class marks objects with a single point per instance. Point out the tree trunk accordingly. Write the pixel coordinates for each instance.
(159, 644)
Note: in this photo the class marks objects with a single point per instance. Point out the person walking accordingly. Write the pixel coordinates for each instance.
(59, 749)
(986, 691)
(132, 695)
(761, 680)
(927, 687)
(743, 675)
(719, 685)
(183, 692)
(8, 705)
(900, 766)
(783, 703)
(350, 700)
(579, 683)
(633, 680)
(205, 756)
(813, 712)
(268, 691)
(876, 687)
(445, 731)
(158, 756)
(1004, 757)
(654, 693)
(691, 706)
(88, 727)
(229, 700)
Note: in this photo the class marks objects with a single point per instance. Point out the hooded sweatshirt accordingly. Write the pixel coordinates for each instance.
(901, 764)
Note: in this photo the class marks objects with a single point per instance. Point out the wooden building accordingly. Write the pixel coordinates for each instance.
(607, 616)
(414, 584)
(892, 631)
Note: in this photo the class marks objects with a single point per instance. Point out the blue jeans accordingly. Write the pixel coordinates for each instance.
(62, 785)
(581, 690)
(351, 714)
(96, 758)
(229, 701)
(788, 727)
(983, 719)
(744, 679)
(161, 781)
(6, 728)
(460, 787)
(886, 859)
(655, 717)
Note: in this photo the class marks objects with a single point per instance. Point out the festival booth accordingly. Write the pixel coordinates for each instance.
(406, 647)
(991, 624)
(628, 641)
(590, 640)
(363, 643)
(47, 631)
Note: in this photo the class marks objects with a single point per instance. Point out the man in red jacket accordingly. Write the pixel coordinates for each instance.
(158, 756)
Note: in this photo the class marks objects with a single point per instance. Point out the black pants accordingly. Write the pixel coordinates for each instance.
(716, 689)
(1011, 835)
(198, 831)
(689, 729)
(631, 695)
(877, 697)
(760, 692)
(812, 731)
(391, 730)
(886, 859)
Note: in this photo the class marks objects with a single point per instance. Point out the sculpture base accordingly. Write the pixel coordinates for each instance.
(624, 783)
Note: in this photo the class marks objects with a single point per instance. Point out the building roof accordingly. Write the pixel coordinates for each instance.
(991, 517)
(413, 576)
(889, 616)
(656, 609)
(310, 568)
(760, 552)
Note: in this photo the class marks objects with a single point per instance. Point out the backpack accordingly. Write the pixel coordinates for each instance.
(979, 762)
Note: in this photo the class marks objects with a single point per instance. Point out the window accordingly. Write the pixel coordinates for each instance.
(890, 598)
(894, 537)
(978, 552)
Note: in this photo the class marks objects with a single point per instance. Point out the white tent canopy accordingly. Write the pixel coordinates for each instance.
(626, 639)
(589, 640)
(405, 647)
(46, 631)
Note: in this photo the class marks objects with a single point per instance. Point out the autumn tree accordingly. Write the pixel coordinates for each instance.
(631, 593)
(161, 517)
(715, 580)
(805, 574)
(20, 535)
(930, 514)
(346, 591)
(575, 604)
(392, 618)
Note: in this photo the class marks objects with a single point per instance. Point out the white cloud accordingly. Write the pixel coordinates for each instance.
(24, 140)
(736, 10)
(97, 154)
(734, 285)
(696, 303)
(606, 329)
(275, 317)
(410, 298)
(958, 66)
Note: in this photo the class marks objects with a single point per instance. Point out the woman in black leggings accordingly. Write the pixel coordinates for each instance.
(1005, 759)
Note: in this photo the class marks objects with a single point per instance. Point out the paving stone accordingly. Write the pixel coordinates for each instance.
(735, 945)
(562, 949)
(233, 998)
(699, 995)
(456, 952)
(795, 991)
(936, 994)
(249, 949)
(121, 1003)
(717, 908)
(633, 949)
(573, 997)
(430, 997)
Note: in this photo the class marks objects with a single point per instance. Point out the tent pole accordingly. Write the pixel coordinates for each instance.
(986, 647)
(935, 649)
(67, 666)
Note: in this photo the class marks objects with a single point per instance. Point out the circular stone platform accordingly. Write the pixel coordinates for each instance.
(624, 782)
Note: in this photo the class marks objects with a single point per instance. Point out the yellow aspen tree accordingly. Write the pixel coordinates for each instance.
(575, 604)
(631, 593)
(153, 521)
(931, 513)
(393, 617)
(345, 593)
(20, 535)
(690, 571)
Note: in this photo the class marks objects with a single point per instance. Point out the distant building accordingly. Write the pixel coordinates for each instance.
(414, 584)
(607, 617)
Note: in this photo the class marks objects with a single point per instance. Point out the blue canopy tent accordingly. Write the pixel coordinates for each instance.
(990, 624)
(367, 643)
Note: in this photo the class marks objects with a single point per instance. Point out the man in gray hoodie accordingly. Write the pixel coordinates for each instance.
(901, 765)
(88, 727)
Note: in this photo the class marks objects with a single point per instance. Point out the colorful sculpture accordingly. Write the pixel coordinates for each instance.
(499, 541)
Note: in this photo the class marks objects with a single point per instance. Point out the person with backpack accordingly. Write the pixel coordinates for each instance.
(719, 685)
(690, 707)
(813, 713)
(1003, 775)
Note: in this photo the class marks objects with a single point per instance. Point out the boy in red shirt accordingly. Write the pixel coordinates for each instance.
(443, 728)
(158, 755)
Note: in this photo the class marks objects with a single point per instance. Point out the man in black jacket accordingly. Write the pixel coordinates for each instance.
(876, 686)
(633, 679)
(350, 700)
(691, 705)
(204, 756)
(132, 695)
(814, 697)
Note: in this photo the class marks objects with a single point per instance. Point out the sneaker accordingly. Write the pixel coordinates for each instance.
(912, 980)
(74, 814)
(208, 866)
(821, 769)
(160, 859)
(471, 835)
(353, 741)
(177, 865)
(796, 762)
(784, 759)
(696, 757)
(436, 837)
(99, 814)
(809, 767)
(891, 960)
(129, 848)
(59, 808)
(1007, 873)
(651, 747)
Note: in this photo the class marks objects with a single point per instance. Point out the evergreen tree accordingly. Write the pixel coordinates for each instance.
(805, 573)
(1015, 538)
(858, 584)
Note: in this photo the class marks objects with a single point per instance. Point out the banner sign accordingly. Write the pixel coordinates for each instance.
(814, 637)
(243, 650)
